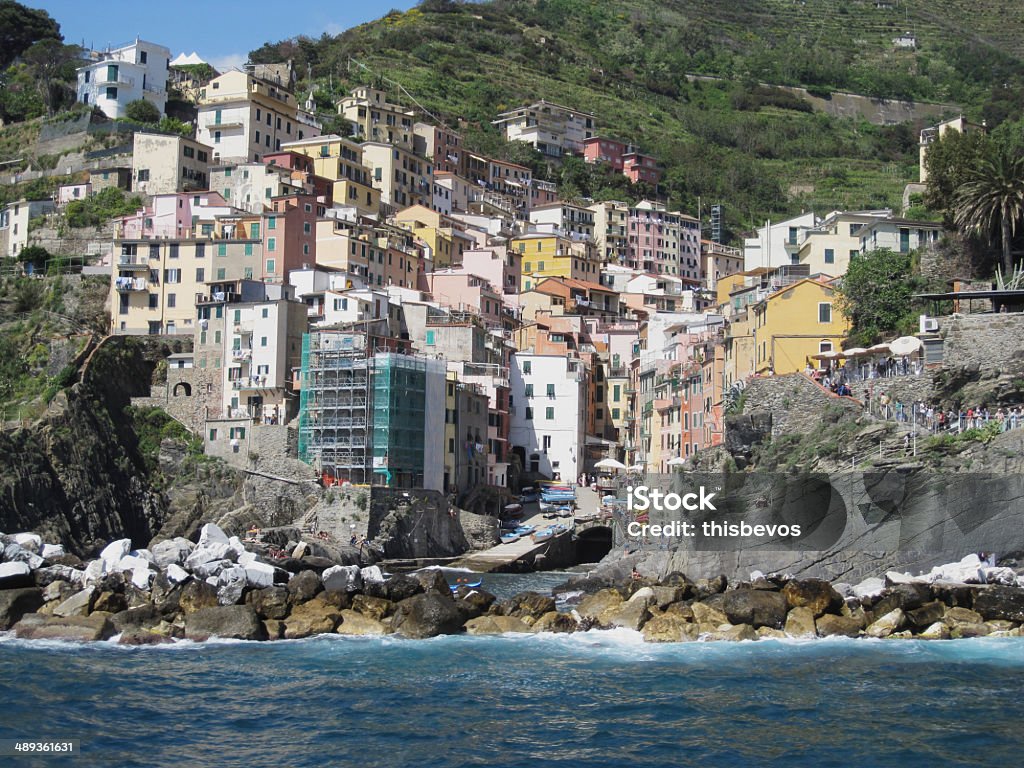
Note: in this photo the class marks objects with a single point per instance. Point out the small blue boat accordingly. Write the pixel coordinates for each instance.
(465, 583)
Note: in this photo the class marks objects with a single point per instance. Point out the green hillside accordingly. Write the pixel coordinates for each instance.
(758, 150)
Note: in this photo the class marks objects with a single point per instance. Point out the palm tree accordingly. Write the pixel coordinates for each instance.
(993, 196)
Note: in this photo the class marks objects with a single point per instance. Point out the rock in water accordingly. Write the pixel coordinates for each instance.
(15, 603)
(553, 621)
(838, 625)
(800, 622)
(77, 628)
(269, 602)
(595, 605)
(238, 622)
(230, 584)
(427, 616)
(756, 607)
(79, 604)
(669, 628)
(527, 605)
(316, 617)
(197, 595)
(887, 624)
(303, 586)
(353, 623)
(1000, 603)
(816, 594)
(14, 575)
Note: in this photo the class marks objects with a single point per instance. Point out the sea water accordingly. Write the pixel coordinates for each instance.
(588, 699)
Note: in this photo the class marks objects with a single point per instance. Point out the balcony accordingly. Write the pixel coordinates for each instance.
(133, 263)
(241, 355)
(130, 284)
(252, 382)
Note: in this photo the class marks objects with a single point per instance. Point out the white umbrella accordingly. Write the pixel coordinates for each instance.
(677, 461)
(879, 348)
(827, 356)
(609, 464)
(637, 468)
(855, 352)
(905, 345)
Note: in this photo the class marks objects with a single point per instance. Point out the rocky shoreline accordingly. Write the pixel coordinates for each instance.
(217, 588)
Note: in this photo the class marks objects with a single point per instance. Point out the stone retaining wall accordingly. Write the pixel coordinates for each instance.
(984, 341)
(795, 402)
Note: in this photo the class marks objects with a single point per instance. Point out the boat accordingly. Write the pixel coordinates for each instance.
(466, 583)
(542, 535)
(508, 538)
(524, 530)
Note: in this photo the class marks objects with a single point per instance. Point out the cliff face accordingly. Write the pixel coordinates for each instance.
(76, 475)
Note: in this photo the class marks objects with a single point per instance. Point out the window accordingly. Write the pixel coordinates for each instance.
(529, 390)
(830, 256)
(221, 273)
(257, 137)
(265, 312)
(615, 413)
(271, 222)
(271, 244)
(527, 367)
(143, 56)
(111, 92)
(222, 249)
(216, 137)
(259, 114)
(263, 341)
(200, 275)
(213, 435)
(173, 250)
(188, 151)
(271, 266)
(172, 275)
(143, 174)
(172, 300)
(615, 392)
(529, 413)
(551, 391)
(825, 312)
(254, 231)
(430, 338)
(154, 301)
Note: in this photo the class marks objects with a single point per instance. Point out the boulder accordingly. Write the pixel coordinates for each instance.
(955, 595)
(376, 608)
(171, 552)
(143, 617)
(230, 585)
(355, 623)
(238, 622)
(871, 587)
(15, 575)
(93, 573)
(304, 586)
(427, 616)
(204, 555)
(75, 628)
(114, 551)
(684, 610)
(196, 595)
(142, 637)
(372, 574)
(16, 553)
(630, 615)
(259, 575)
(477, 600)
(59, 591)
(666, 596)
(597, 604)
(342, 578)
(800, 622)
(431, 581)
(401, 587)
(756, 607)
(314, 617)
(176, 574)
(733, 633)
(958, 631)
(669, 628)
(211, 568)
(706, 614)
(816, 594)
(927, 614)
(553, 621)
(962, 616)
(1000, 625)
(33, 542)
(1000, 603)
(51, 551)
(644, 595)
(79, 604)
(142, 577)
(274, 629)
(829, 625)
(704, 588)
(53, 573)
(767, 633)
(269, 602)
(887, 624)
(527, 605)
(212, 534)
(496, 625)
(937, 631)
(109, 602)
(129, 563)
(15, 603)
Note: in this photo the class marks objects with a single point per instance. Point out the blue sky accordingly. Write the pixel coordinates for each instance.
(221, 32)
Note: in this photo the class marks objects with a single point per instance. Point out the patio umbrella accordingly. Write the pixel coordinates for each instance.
(609, 464)
(855, 352)
(879, 348)
(827, 356)
(677, 461)
(905, 345)
(637, 468)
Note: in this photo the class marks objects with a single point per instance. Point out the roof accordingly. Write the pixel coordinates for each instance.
(953, 295)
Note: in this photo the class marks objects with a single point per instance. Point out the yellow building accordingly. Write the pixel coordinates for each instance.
(376, 119)
(827, 248)
(341, 161)
(446, 237)
(795, 323)
(553, 256)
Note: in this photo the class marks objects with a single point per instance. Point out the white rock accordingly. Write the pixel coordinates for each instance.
(33, 542)
(76, 605)
(999, 575)
(246, 558)
(53, 550)
(895, 577)
(130, 563)
(871, 587)
(94, 572)
(236, 546)
(174, 550)
(259, 575)
(211, 568)
(142, 576)
(645, 594)
(176, 574)
(756, 575)
(15, 569)
(54, 573)
(15, 552)
(343, 578)
(230, 583)
(372, 574)
(145, 554)
(114, 551)
(212, 534)
(300, 551)
(206, 554)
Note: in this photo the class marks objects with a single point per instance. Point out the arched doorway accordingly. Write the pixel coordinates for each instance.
(593, 544)
(182, 388)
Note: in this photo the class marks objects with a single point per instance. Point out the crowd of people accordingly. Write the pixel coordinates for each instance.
(937, 419)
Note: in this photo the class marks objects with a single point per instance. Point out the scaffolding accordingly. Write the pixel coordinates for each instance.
(363, 412)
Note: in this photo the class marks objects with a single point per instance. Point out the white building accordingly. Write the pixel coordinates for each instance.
(14, 222)
(777, 244)
(567, 219)
(553, 129)
(244, 117)
(548, 407)
(900, 235)
(118, 76)
(163, 164)
(252, 186)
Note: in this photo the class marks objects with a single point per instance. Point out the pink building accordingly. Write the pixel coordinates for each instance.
(289, 235)
(458, 289)
(624, 158)
(639, 167)
(67, 193)
(497, 265)
(600, 150)
(664, 242)
(172, 216)
(542, 193)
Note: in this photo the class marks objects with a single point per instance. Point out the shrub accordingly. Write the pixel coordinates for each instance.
(142, 111)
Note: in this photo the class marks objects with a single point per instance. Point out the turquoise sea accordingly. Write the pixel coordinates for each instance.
(591, 699)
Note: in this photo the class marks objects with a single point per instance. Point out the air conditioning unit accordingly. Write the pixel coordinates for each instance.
(928, 324)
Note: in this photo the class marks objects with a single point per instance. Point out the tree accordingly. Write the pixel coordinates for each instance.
(52, 65)
(992, 198)
(877, 294)
(20, 28)
(142, 111)
(947, 162)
